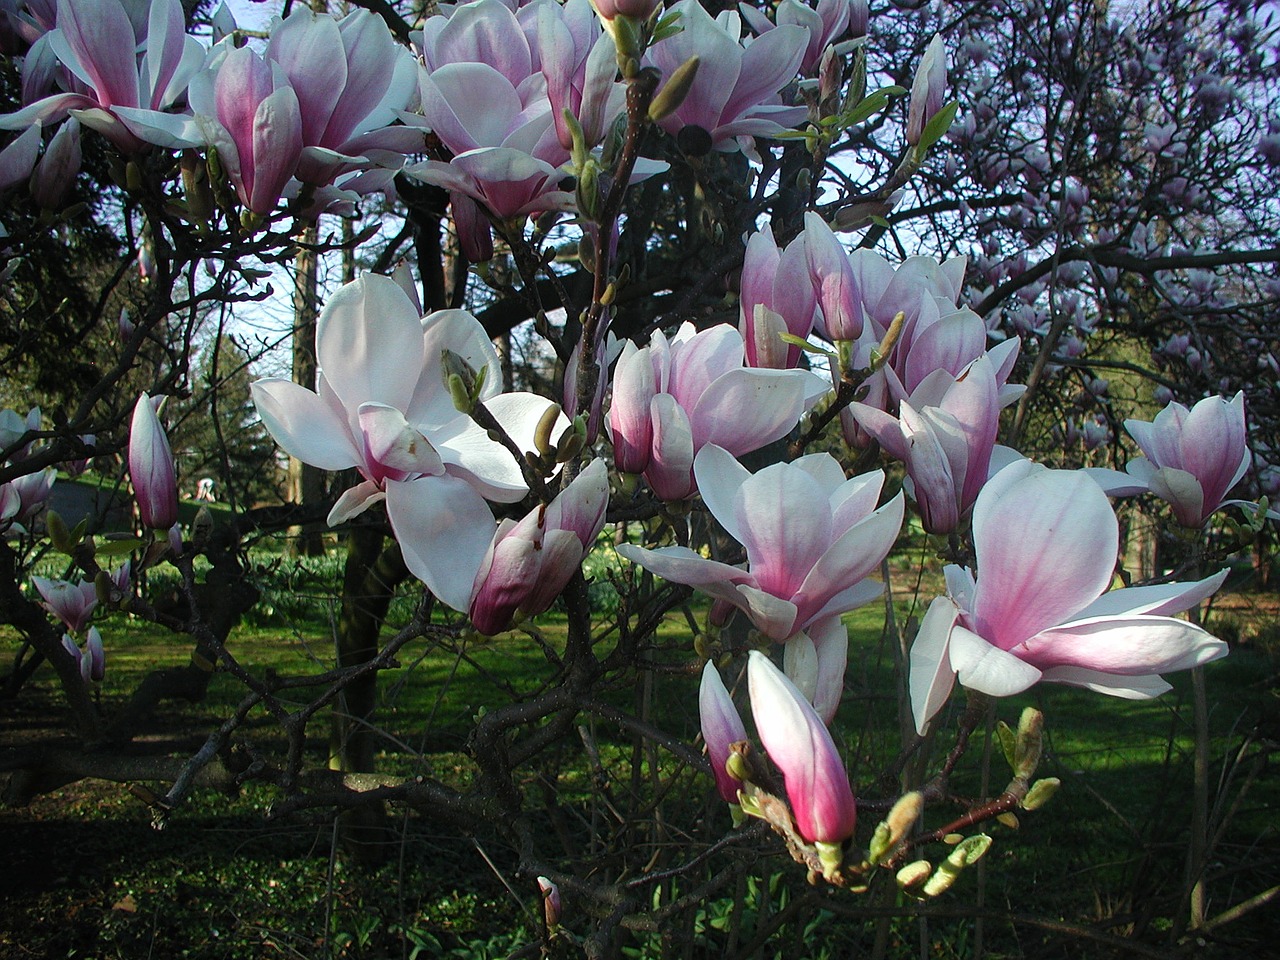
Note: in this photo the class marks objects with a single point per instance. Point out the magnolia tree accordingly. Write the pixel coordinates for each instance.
(727, 368)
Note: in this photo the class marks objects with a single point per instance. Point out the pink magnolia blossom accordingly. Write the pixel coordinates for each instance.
(383, 407)
(71, 603)
(945, 435)
(672, 398)
(258, 128)
(1193, 457)
(1045, 543)
(351, 78)
(106, 85)
(736, 93)
(777, 298)
(812, 538)
(22, 498)
(155, 485)
(530, 562)
(798, 743)
(635, 9)
(92, 660)
(928, 89)
(825, 25)
(721, 728)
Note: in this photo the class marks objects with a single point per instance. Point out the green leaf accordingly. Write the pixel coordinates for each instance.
(805, 345)
(872, 103)
(937, 127)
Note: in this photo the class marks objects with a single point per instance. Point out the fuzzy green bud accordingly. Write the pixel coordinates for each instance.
(1041, 792)
(673, 94)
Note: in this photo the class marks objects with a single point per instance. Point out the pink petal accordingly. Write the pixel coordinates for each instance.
(1061, 558)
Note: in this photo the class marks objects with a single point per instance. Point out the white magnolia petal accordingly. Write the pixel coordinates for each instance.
(931, 676)
(355, 501)
(444, 528)
(304, 425)
(986, 668)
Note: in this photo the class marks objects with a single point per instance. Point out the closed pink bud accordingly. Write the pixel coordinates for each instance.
(635, 9)
(927, 90)
(721, 728)
(799, 745)
(58, 167)
(550, 901)
(532, 561)
(151, 468)
(93, 662)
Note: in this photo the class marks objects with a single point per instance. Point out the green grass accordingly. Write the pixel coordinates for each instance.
(89, 877)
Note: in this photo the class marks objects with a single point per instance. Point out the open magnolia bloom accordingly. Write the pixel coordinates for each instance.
(1193, 457)
(812, 539)
(673, 397)
(1045, 543)
(383, 407)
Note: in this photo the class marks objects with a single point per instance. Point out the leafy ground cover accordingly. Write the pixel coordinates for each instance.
(1096, 873)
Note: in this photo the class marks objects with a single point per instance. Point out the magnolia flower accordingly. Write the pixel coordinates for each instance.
(383, 407)
(825, 25)
(812, 538)
(71, 603)
(530, 562)
(1045, 544)
(672, 398)
(736, 91)
(351, 78)
(789, 291)
(798, 743)
(777, 298)
(815, 661)
(108, 85)
(551, 904)
(945, 435)
(1193, 457)
(721, 728)
(155, 485)
(92, 660)
(22, 498)
(928, 89)
(635, 9)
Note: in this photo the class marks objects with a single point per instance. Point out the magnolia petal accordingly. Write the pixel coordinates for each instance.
(1061, 560)
(800, 664)
(444, 528)
(850, 559)
(1160, 599)
(355, 501)
(1125, 645)
(785, 523)
(986, 668)
(773, 616)
(931, 676)
(304, 425)
(720, 476)
(1182, 491)
(1128, 688)
(831, 640)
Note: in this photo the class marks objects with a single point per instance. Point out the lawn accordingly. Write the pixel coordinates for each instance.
(89, 876)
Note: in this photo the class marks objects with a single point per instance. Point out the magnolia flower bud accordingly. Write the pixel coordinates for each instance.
(151, 468)
(550, 902)
(721, 728)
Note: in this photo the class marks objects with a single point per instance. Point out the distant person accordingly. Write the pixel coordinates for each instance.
(204, 490)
